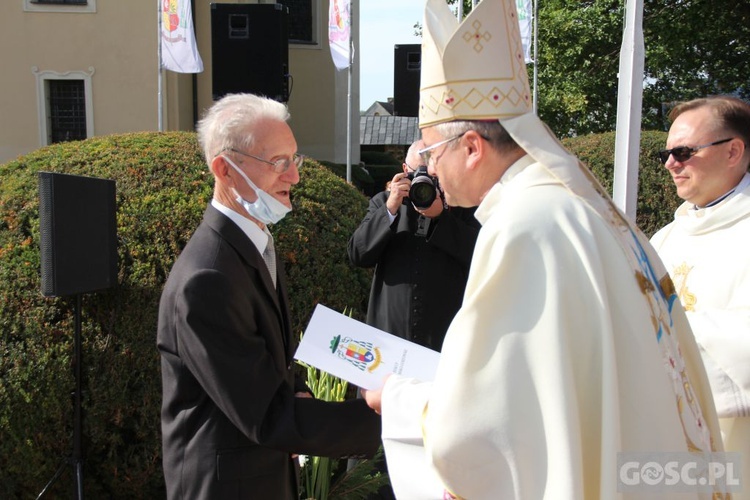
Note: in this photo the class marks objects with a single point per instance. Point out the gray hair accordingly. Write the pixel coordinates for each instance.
(413, 151)
(491, 131)
(229, 122)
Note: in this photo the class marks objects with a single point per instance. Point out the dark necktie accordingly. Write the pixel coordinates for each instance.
(269, 256)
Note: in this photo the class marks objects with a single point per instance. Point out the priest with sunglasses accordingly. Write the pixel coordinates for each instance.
(705, 250)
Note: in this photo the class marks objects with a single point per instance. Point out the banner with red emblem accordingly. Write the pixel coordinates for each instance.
(179, 51)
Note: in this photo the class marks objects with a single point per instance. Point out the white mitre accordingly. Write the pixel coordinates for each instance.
(474, 70)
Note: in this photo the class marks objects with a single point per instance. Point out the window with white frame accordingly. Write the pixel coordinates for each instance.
(64, 106)
(66, 110)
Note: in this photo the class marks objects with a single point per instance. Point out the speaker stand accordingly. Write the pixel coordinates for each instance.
(76, 459)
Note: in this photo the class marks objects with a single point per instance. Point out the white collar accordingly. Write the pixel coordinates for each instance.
(485, 208)
(250, 228)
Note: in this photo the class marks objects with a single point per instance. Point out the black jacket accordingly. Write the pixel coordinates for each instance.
(230, 419)
(419, 279)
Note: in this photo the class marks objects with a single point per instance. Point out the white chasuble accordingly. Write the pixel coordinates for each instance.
(705, 252)
(570, 347)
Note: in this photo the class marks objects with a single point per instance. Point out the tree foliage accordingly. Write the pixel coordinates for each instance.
(577, 60)
(693, 48)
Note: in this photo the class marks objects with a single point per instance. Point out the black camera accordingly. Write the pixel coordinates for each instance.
(424, 188)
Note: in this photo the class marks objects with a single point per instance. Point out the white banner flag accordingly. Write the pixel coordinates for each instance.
(179, 52)
(339, 32)
(524, 23)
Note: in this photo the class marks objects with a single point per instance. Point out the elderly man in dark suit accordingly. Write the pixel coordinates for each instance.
(233, 413)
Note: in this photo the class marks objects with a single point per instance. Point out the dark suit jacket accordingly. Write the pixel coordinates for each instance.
(229, 415)
(419, 281)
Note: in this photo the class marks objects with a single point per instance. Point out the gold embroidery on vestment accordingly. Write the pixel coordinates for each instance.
(645, 284)
(680, 276)
(667, 286)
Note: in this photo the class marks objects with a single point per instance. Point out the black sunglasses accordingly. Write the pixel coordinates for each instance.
(684, 153)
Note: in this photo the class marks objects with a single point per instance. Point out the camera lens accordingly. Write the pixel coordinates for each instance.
(422, 192)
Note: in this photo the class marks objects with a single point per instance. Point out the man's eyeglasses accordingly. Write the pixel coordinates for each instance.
(426, 153)
(684, 153)
(279, 166)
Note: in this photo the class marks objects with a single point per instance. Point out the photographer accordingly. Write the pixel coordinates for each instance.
(421, 256)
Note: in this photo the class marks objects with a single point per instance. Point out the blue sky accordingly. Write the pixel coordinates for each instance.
(383, 24)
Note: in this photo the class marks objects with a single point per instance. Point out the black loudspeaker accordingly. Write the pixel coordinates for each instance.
(77, 219)
(407, 67)
(250, 50)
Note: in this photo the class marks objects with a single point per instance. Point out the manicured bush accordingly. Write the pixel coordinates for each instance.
(382, 174)
(371, 179)
(382, 166)
(657, 197)
(163, 187)
(360, 177)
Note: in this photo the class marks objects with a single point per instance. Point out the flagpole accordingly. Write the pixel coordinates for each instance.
(629, 103)
(349, 122)
(159, 97)
(536, 60)
(349, 97)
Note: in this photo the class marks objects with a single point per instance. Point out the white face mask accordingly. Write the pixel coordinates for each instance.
(266, 209)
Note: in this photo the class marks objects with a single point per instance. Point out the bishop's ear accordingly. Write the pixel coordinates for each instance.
(475, 147)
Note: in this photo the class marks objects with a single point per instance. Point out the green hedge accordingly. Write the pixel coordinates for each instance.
(381, 174)
(379, 167)
(657, 197)
(370, 180)
(163, 188)
(360, 177)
